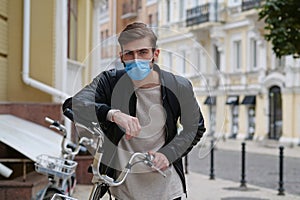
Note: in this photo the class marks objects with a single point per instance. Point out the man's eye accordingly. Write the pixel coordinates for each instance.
(143, 52)
(130, 53)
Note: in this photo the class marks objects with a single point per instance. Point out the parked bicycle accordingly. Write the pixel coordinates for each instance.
(60, 170)
(94, 132)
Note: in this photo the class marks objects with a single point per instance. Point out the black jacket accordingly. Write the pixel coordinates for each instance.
(114, 89)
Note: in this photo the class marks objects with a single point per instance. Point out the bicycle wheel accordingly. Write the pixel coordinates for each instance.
(50, 193)
(96, 193)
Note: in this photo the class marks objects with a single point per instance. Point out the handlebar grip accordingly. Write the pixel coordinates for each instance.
(149, 162)
(50, 121)
(69, 114)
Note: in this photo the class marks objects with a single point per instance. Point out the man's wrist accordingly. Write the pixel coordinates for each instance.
(111, 113)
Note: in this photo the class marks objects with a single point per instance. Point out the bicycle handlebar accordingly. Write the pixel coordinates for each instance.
(145, 157)
(65, 150)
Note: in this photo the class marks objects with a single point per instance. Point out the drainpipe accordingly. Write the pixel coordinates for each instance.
(26, 50)
(114, 25)
(25, 74)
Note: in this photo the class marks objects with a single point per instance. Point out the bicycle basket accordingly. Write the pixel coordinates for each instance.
(62, 197)
(58, 167)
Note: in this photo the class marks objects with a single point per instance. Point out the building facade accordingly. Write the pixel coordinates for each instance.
(244, 90)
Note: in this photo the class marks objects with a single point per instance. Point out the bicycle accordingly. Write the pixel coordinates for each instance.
(60, 170)
(93, 130)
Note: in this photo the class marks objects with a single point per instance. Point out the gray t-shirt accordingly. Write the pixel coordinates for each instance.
(143, 182)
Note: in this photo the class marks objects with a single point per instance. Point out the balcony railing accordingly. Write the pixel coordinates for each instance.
(130, 9)
(197, 15)
(250, 4)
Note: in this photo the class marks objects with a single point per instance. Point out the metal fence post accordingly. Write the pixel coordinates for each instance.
(243, 175)
(281, 188)
(212, 175)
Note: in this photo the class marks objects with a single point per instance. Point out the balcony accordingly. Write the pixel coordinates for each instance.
(197, 15)
(209, 12)
(239, 6)
(130, 9)
(250, 4)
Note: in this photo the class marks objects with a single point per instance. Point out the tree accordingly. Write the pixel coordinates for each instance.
(282, 19)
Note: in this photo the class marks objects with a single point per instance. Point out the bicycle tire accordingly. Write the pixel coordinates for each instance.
(97, 194)
(50, 193)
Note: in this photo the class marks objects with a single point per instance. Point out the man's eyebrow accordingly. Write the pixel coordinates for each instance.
(142, 48)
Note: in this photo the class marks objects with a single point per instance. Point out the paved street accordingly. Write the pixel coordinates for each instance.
(261, 169)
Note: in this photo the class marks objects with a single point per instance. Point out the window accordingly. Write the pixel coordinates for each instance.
(167, 59)
(237, 60)
(106, 33)
(253, 53)
(217, 56)
(235, 121)
(251, 122)
(139, 4)
(102, 39)
(279, 62)
(104, 6)
(150, 20)
(168, 10)
(72, 29)
(182, 9)
(183, 62)
(198, 59)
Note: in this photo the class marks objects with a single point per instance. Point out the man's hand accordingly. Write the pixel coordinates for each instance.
(130, 124)
(160, 160)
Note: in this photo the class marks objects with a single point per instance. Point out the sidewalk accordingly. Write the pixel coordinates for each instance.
(260, 147)
(201, 188)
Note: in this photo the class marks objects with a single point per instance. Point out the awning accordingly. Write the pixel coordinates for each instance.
(210, 100)
(249, 100)
(232, 100)
(29, 138)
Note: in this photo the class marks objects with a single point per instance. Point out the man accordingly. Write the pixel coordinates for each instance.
(139, 109)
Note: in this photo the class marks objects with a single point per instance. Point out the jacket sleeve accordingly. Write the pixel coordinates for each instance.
(191, 120)
(91, 103)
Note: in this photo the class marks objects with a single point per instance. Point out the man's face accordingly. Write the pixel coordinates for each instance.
(139, 49)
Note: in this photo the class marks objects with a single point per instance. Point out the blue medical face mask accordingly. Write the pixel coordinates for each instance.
(138, 69)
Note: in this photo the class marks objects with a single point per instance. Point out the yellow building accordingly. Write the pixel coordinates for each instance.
(45, 57)
(43, 46)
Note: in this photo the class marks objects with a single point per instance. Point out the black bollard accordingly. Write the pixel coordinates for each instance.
(186, 164)
(243, 180)
(281, 188)
(212, 175)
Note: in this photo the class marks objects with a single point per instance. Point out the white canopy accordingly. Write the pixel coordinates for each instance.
(29, 138)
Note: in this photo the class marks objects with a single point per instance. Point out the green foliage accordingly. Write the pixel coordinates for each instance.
(282, 19)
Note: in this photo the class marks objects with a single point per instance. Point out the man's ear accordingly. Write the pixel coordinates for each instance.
(156, 54)
(120, 55)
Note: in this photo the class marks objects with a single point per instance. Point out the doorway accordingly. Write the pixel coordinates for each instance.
(275, 108)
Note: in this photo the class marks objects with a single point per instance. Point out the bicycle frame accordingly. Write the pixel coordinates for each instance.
(100, 179)
(93, 130)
